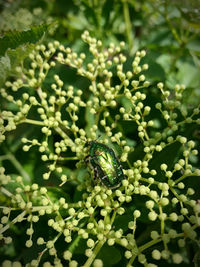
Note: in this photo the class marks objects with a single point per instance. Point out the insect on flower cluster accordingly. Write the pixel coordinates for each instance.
(58, 197)
(105, 164)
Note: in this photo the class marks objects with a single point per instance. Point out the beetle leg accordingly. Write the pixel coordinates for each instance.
(104, 177)
(119, 167)
(87, 159)
(95, 174)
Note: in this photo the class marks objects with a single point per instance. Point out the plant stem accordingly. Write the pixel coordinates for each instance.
(113, 217)
(97, 7)
(162, 225)
(127, 23)
(6, 192)
(183, 177)
(132, 259)
(41, 123)
(68, 158)
(173, 30)
(147, 181)
(149, 244)
(95, 252)
(4, 157)
(17, 165)
(21, 215)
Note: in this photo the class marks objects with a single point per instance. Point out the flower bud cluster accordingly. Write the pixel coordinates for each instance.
(153, 192)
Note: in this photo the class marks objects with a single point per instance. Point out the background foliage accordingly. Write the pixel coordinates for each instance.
(168, 31)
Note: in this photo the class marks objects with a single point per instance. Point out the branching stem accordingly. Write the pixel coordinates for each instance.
(95, 252)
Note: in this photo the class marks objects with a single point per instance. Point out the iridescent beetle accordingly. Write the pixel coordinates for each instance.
(105, 164)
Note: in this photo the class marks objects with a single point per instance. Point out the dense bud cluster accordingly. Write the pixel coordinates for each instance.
(166, 199)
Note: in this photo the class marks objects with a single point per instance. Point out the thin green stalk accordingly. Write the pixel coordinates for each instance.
(149, 244)
(113, 217)
(129, 164)
(21, 215)
(38, 208)
(118, 125)
(127, 23)
(174, 192)
(97, 7)
(147, 181)
(183, 177)
(132, 258)
(74, 205)
(162, 225)
(95, 252)
(68, 158)
(173, 30)
(4, 157)
(17, 165)
(41, 123)
(40, 255)
(6, 192)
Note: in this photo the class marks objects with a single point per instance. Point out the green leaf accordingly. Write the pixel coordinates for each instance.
(13, 39)
(167, 155)
(120, 220)
(8, 251)
(190, 10)
(5, 67)
(11, 60)
(16, 46)
(156, 72)
(75, 244)
(55, 193)
(188, 75)
(18, 54)
(109, 255)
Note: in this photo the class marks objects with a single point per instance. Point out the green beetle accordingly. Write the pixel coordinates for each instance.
(105, 164)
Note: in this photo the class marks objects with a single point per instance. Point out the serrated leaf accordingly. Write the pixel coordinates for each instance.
(16, 45)
(18, 54)
(11, 60)
(76, 244)
(14, 39)
(4, 68)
